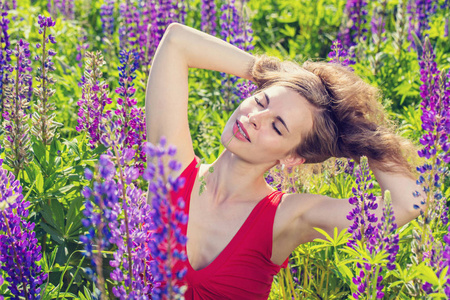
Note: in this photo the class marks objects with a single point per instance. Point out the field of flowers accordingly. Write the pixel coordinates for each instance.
(75, 167)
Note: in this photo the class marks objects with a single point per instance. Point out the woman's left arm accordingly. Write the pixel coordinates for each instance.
(302, 212)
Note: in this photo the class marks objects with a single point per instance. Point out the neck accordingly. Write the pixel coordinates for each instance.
(234, 179)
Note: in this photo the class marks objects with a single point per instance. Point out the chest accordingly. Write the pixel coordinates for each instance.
(211, 227)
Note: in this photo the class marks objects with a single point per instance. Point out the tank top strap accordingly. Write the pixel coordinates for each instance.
(189, 175)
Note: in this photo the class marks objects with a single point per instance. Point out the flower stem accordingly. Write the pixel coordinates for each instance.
(124, 207)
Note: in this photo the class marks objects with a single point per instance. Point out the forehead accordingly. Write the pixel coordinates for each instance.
(295, 110)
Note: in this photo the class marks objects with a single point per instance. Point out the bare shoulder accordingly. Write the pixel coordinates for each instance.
(299, 214)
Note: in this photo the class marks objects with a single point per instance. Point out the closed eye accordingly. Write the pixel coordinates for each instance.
(258, 102)
(276, 129)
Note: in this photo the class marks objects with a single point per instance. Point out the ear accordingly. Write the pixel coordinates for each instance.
(292, 160)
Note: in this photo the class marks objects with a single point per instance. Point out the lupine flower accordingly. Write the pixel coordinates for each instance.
(386, 240)
(446, 8)
(107, 18)
(208, 17)
(99, 211)
(339, 55)
(8, 6)
(353, 30)
(167, 242)
(378, 24)
(81, 50)
(435, 93)
(420, 12)
(377, 239)
(363, 219)
(44, 128)
(19, 249)
(131, 118)
(387, 232)
(238, 32)
(64, 7)
(124, 217)
(17, 102)
(5, 58)
(94, 98)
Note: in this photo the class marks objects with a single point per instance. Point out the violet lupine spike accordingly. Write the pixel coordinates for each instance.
(17, 102)
(435, 93)
(365, 230)
(167, 216)
(44, 127)
(131, 118)
(378, 24)
(94, 98)
(238, 32)
(420, 12)
(364, 221)
(107, 18)
(98, 212)
(387, 232)
(209, 17)
(19, 249)
(81, 49)
(139, 213)
(356, 13)
(339, 55)
(5, 58)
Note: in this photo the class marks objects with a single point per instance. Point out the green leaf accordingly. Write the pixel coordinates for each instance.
(39, 152)
(427, 274)
(73, 145)
(39, 183)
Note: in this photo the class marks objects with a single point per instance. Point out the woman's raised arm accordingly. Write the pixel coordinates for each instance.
(166, 100)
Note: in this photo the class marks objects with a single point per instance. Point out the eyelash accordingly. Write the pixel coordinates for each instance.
(273, 124)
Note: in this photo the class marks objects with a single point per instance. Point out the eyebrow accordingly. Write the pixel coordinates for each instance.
(278, 117)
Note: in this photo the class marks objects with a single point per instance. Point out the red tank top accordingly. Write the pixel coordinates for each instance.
(243, 270)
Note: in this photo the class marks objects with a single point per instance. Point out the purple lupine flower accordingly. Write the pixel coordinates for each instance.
(141, 281)
(5, 58)
(420, 12)
(435, 93)
(107, 18)
(238, 32)
(208, 17)
(387, 232)
(446, 8)
(16, 103)
(98, 213)
(131, 119)
(44, 128)
(81, 50)
(378, 25)
(94, 98)
(354, 30)
(19, 249)
(8, 6)
(362, 228)
(339, 55)
(167, 244)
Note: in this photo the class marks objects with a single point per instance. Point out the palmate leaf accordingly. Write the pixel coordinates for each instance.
(338, 238)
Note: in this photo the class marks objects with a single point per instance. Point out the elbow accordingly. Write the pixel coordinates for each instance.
(173, 33)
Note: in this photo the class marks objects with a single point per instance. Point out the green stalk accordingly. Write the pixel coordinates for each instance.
(124, 207)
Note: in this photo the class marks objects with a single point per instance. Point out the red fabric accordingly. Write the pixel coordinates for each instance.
(243, 270)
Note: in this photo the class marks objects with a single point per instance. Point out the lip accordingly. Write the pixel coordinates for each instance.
(237, 132)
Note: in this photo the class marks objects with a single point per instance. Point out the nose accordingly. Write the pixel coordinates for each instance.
(257, 118)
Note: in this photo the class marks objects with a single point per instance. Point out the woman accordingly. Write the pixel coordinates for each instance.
(240, 231)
